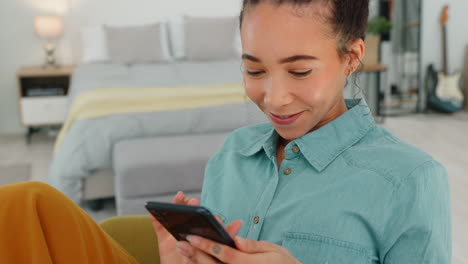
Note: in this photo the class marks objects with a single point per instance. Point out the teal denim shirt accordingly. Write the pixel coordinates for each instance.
(349, 192)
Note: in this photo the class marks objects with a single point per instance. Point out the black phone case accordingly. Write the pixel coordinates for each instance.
(157, 209)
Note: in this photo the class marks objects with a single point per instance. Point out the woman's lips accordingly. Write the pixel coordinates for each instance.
(287, 120)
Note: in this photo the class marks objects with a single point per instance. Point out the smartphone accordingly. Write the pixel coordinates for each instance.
(182, 220)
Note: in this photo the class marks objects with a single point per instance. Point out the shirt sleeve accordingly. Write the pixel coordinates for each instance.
(210, 191)
(208, 180)
(419, 225)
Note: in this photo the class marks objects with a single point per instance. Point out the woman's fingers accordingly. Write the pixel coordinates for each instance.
(156, 225)
(219, 220)
(165, 239)
(234, 227)
(193, 255)
(252, 246)
(193, 201)
(222, 252)
(180, 198)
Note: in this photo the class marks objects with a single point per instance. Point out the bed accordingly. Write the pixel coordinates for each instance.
(82, 164)
(164, 56)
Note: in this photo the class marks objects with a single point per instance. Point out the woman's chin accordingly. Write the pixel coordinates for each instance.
(290, 133)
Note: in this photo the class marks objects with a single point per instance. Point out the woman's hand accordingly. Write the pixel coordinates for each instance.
(166, 242)
(202, 251)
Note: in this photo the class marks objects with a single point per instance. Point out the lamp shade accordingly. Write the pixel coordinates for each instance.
(48, 27)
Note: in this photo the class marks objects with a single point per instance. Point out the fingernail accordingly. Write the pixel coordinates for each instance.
(182, 246)
(183, 253)
(193, 239)
(240, 241)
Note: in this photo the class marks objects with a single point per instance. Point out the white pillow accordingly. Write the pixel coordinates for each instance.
(211, 38)
(94, 43)
(177, 36)
(138, 43)
(95, 46)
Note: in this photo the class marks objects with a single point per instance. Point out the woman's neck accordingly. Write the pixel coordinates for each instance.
(337, 110)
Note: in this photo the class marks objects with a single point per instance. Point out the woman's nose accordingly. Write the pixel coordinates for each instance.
(277, 93)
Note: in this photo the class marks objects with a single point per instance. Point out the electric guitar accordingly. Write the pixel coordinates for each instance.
(448, 86)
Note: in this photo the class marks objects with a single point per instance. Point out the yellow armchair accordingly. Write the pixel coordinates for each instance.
(136, 235)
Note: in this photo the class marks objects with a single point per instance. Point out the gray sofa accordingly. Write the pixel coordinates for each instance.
(156, 168)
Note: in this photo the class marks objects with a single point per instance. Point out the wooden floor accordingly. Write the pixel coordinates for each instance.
(444, 137)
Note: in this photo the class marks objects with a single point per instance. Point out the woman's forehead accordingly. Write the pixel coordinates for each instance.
(281, 28)
(315, 11)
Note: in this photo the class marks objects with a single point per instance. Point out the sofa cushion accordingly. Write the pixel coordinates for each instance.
(163, 165)
(136, 235)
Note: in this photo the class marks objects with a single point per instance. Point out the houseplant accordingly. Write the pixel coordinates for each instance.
(376, 26)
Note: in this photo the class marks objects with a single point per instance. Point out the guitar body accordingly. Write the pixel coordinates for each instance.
(432, 86)
(448, 87)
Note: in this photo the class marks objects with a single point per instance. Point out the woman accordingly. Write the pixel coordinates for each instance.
(320, 183)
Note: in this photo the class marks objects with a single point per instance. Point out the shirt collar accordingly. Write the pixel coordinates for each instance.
(322, 146)
(266, 141)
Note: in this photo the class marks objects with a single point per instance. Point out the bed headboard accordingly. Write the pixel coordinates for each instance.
(82, 13)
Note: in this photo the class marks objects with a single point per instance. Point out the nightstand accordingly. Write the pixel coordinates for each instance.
(43, 96)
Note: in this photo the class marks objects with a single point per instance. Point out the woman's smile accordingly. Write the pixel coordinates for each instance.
(285, 119)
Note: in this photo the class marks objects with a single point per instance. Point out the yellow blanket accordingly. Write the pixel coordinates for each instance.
(107, 101)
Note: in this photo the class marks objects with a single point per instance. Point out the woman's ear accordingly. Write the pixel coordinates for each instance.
(357, 50)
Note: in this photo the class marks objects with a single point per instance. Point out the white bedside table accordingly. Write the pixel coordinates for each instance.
(43, 96)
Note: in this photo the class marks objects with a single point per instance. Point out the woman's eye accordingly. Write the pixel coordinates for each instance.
(301, 74)
(254, 73)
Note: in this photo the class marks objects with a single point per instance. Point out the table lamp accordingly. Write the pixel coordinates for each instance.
(49, 28)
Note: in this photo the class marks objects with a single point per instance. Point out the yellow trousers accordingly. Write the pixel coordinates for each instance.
(38, 224)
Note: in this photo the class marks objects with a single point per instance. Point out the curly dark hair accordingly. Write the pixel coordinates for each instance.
(347, 18)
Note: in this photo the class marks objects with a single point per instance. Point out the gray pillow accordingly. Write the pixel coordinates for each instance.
(137, 44)
(210, 38)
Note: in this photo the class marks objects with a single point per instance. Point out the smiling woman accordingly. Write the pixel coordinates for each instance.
(320, 183)
(300, 68)
(321, 180)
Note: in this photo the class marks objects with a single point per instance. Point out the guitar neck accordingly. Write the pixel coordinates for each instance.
(444, 50)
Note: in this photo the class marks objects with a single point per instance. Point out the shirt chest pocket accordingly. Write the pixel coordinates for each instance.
(314, 249)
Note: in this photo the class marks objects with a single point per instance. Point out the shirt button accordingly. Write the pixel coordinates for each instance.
(295, 149)
(256, 219)
(287, 171)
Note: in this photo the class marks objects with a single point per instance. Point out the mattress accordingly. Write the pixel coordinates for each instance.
(91, 76)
